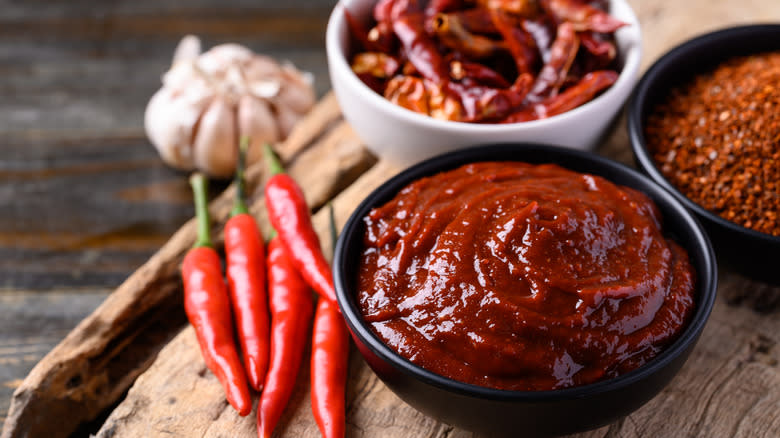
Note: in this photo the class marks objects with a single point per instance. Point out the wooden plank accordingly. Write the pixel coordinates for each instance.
(31, 323)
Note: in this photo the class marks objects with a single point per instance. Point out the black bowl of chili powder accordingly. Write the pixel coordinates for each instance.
(704, 123)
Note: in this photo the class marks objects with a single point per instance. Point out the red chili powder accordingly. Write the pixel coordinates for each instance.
(717, 139)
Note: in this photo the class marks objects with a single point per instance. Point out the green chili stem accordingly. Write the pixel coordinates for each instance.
(199, 185)
(334, 234)
(239, 206)
(274, 165)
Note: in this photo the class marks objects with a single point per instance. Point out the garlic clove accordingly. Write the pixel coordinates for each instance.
(262, 68)
(256, 120)
(217, 60)
(169, 120)
(187, 50)
(296, 92)
(265, 89)
(286, 118)
(215, 145)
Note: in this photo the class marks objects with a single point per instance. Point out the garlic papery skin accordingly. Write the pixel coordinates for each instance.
(209, 100)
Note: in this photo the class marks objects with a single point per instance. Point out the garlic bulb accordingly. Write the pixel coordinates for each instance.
(209, 100)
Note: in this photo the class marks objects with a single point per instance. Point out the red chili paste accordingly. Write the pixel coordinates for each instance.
(523, 277)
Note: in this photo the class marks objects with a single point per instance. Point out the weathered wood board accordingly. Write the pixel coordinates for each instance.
(729, 387)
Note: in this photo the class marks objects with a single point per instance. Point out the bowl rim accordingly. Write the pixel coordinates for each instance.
(707, 290)
(641, 95)
(626, 79)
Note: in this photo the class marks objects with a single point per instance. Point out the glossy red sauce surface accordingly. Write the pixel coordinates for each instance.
(522, 277)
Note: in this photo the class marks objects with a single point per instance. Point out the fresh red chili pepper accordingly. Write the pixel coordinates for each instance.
(291, 311)
(245, 260)
(289, 215)
(329, 363)
(207, 306)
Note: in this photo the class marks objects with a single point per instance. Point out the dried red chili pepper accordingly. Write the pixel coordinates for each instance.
(419, 48)
(576, 95)
(472, 60)
(599, 52)
(435, 7)
(582, 15)
(289, 215)
(245, 271)
(329, 363)
(452, 34)
(378, 65)
(520, 43)
(291, 311)
(572, 97)
(523, 8)
(598, 46)
(375, 69)
(474, 20)
(478, 73)
(409, 92)
(485, 103)
(207, 306)
(360, 34)
(562, 55)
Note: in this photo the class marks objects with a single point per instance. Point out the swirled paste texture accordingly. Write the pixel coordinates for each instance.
(522, 277)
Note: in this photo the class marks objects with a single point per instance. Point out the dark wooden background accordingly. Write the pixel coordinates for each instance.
(85, 199)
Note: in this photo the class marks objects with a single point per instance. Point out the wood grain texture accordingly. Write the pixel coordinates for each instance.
(88, 202)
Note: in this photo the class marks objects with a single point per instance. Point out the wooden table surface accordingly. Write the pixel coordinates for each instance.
(86, 200)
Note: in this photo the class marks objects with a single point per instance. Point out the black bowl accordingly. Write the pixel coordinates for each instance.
(748, 251)
(509, 413)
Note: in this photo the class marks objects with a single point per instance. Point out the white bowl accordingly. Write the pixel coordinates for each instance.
(405, 137)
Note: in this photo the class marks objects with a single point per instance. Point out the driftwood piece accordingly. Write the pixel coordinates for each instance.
(96, 363)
